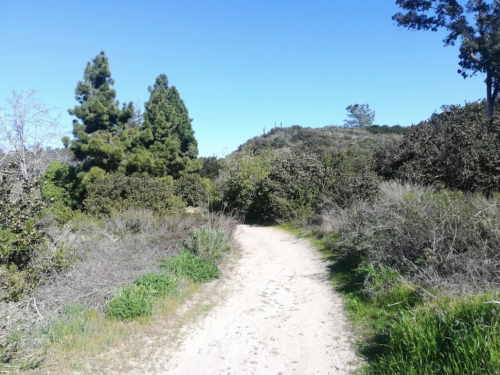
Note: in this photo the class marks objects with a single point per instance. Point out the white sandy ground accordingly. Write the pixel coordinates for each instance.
(280, 315)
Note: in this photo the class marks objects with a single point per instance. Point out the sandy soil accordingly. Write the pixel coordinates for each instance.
(280, 315)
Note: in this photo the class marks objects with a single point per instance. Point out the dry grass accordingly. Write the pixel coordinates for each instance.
(437, 238)
(120, 347)
(106, 254)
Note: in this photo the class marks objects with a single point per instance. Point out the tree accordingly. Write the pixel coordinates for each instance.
(173, 145)
(479, 34)
(98, 135)
(27, 129)
(359, 115)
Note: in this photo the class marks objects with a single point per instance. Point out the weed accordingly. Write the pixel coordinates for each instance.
(207, 243)
(158, 285)
(131, 302)
(194, 268)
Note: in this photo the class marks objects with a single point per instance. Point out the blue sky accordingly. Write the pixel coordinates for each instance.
(238, 65)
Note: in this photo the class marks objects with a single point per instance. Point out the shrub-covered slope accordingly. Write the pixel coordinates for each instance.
(318, 139)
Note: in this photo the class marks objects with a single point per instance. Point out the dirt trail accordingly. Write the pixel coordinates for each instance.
(280, 316)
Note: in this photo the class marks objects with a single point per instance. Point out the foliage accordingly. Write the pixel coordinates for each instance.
(194, 268)
(130, 303)
(239, 177)
(158, 143)
(211, 166)
(302, 184)
(479, 51)
(437, 238)
(278, 142)
(98, 139)
(319, 140)
(457, 148)
(360, 115)
(291, 187)
(384, 129)
(192, 188)
(117, 192)
(158, 285)
(350, 178)
(451, 337)
(173, 146)
(19, 209)
(207, 243)
(61, 189)
(14, 283)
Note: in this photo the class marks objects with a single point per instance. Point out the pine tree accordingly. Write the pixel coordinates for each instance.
(174, 146)
(99, 141)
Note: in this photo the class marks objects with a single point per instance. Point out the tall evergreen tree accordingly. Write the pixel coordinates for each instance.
(98, 140)
(174, 146)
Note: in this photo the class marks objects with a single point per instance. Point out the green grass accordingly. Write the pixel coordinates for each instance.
(187, 265)
(404, 331)
(209, 244)
(158, 285)
(131, 302)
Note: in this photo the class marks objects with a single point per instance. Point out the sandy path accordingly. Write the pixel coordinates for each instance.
(280, 316)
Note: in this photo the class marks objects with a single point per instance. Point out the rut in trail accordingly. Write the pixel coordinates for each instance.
(280, 316)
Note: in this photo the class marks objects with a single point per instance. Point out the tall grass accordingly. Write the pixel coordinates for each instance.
(449, 336)
(194, 268)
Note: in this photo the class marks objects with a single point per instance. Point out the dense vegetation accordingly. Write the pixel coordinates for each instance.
(410, 217)
(411, 221)
(101, 234)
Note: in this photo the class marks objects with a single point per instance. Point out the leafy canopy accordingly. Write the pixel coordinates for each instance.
(476, 25)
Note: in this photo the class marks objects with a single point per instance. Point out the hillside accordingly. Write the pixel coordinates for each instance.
(317, 139)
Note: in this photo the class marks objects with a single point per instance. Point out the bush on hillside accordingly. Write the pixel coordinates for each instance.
(61, 190)
(239, 177)
(302, 184)
(290, 189)
(117, 192)
(458, 148)
(350, 178)
(192, 188)
(210, 167)
(435, 237)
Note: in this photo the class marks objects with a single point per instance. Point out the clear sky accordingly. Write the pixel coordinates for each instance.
(238, 65)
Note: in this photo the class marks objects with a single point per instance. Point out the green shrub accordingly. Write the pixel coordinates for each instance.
(211, 167)
(19, 237)
(458, 148)
(239, 177)
(385, 129)
(207, 243)
(350, 178)
(192, 188)
(131, 302)
(302, 184)
(385, 287)
(449, 337)
(117, 192)
(60, 184)
(291, 187)
(278, 142)
(194, 268)
(158, 285)
(14, 283)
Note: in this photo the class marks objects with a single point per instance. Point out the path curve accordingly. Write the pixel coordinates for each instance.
(280, 316)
